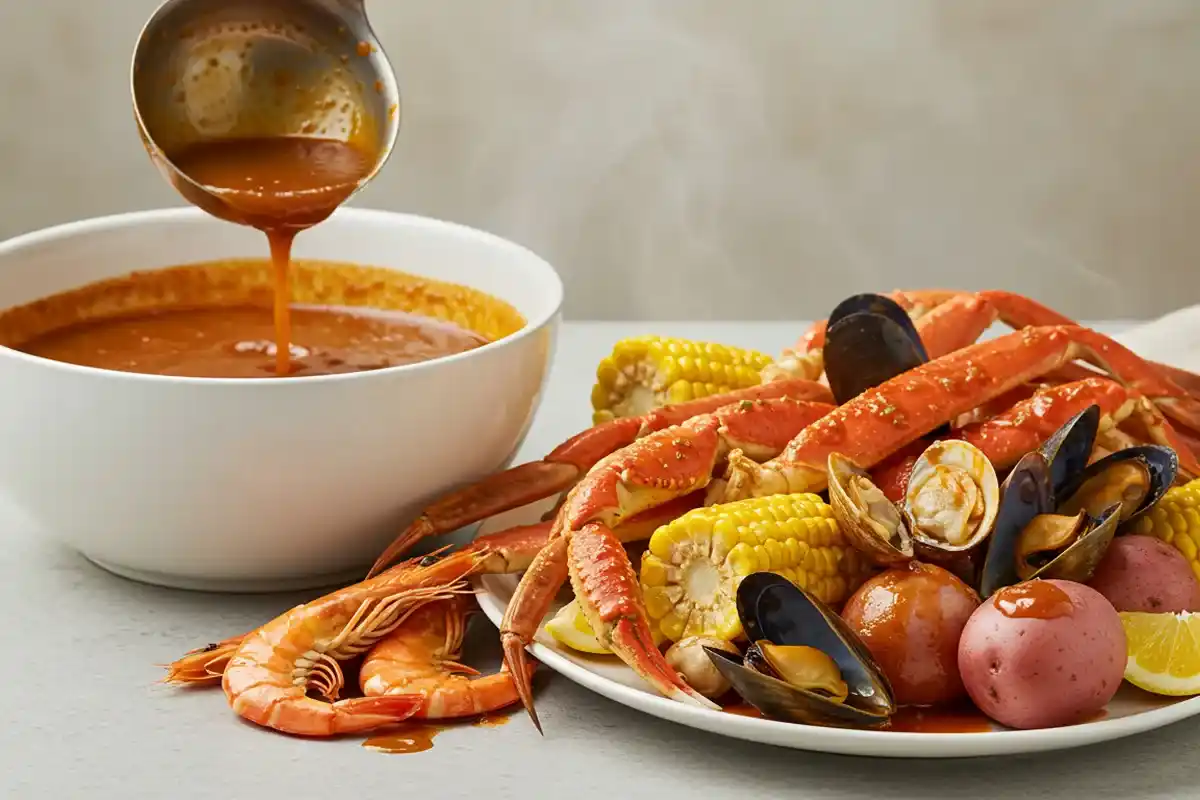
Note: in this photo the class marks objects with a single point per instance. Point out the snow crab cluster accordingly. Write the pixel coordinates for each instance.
(894, 515)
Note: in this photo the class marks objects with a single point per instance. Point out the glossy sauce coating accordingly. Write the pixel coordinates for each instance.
(910, 619)
(238, 342)
(1034, 599)
(280, 185)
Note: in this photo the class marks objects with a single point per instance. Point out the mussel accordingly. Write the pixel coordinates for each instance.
(1057, 517)
(869, 340)
(949, 508)
(804, 664)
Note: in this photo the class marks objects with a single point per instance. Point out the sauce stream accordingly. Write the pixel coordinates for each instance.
(279, 185)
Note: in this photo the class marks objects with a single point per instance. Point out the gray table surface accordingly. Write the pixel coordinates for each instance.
(85, 718)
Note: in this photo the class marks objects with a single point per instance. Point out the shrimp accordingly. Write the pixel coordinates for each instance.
(422, 657)
(269, 675)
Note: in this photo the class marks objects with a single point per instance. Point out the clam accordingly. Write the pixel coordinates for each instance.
(872, 523)
(869, 341)
(804, 664)
(952, 499)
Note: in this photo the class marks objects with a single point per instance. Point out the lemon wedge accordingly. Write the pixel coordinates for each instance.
(570, 627)
(1164, 652)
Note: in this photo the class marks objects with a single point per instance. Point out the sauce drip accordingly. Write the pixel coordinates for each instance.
(418, 737)
(279, 185)
(743, 710)
(1036, 599)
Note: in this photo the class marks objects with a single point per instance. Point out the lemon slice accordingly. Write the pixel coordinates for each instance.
(1164, 652)
(570, 627)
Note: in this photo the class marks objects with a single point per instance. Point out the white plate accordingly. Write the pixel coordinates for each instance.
(1131, 711)
(1167, 340)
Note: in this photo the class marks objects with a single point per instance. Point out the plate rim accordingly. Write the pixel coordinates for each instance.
(842, 741)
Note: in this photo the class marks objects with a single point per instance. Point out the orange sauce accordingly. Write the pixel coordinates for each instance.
(743, 710)
(915, 719)
(279, 185)
(418, 737)
(1034, 599)
(238, 341)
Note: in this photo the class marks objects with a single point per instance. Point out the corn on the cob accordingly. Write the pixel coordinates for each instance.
(691, 572)
(646, 372)
(1176, 520)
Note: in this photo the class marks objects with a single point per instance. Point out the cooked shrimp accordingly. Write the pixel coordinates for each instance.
(268, 677)
(422, 657)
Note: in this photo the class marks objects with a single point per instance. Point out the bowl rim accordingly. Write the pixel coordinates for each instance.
(82, 227)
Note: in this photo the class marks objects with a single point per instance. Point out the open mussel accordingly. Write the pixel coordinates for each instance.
(1069, 450)
(1058, 516)
(804, 664)
(1136, 478)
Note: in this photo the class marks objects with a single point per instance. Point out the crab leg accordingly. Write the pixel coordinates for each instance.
(568, 462)
(1007, 436)
(879, 422)
(958, 321)
(647, 474)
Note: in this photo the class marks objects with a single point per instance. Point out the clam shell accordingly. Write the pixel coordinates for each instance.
(861, 524)
(928, 484)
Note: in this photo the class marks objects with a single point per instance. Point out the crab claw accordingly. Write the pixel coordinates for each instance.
(611, 600)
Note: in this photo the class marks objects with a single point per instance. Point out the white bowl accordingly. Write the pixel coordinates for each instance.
(271, 484)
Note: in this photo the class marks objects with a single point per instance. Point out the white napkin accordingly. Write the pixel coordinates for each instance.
(1171, 339)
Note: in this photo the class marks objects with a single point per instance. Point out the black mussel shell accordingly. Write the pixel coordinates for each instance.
(1162, 463)
(863, 350)
(1078, 562)
(782, 701)
(1024, 494)
(1068, 450)
(771, 607)
(881, 306)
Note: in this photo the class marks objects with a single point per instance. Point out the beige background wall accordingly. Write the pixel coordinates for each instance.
(741, 159)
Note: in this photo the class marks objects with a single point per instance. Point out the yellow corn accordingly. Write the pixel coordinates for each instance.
(646, 372)
(691, 571)
(1176, 520)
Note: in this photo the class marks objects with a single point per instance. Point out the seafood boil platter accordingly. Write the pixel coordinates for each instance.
(896, 537)
(892, 540)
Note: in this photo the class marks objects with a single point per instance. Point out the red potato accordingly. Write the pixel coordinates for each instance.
(1043, 654)
(1142, 573)
(910, 619)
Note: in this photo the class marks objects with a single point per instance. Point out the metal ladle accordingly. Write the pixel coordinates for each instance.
(224, 69)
